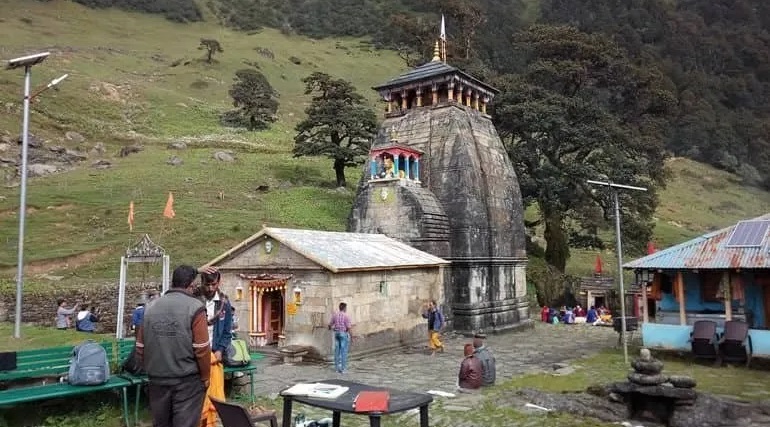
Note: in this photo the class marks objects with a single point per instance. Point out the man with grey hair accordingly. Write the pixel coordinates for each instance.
(488, 369)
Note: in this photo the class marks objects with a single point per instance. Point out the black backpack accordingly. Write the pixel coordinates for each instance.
(132, 365)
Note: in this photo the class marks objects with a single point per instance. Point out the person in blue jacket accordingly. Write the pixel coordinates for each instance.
(219, 313)
(86, 320)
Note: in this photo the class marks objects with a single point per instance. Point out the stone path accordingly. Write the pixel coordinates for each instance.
(517, 353)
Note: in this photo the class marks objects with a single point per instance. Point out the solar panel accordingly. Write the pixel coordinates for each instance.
(748, 234)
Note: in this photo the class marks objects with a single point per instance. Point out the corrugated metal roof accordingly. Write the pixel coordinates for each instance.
(429, 70)
(709, 251)
(339, 251)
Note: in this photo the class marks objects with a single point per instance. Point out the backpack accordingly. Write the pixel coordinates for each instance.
(237, 354)
(132, 365)
(89, 365)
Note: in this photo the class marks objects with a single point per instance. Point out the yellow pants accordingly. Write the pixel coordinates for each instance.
(216, 390)
(434, 342)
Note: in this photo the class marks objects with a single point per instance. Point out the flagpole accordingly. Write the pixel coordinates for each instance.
(442, 37)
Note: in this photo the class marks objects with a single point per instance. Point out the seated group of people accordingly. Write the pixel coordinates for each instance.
(570, 315)
(85, 320)
(477, 368)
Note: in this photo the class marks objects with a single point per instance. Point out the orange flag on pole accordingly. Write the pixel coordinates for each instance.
(131, 216)
(169, 211)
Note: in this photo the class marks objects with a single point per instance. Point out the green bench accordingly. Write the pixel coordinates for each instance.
(54, 362)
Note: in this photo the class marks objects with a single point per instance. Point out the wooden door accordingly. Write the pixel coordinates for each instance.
(276, 314)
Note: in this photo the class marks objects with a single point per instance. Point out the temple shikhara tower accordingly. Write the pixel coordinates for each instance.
(439, 179)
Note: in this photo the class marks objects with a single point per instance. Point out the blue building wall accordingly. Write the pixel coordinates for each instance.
(694, 301)
(677, 337)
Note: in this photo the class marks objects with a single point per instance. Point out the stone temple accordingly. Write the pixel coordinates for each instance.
(439, 179)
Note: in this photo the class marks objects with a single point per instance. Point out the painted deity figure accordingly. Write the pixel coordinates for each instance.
(388, 168)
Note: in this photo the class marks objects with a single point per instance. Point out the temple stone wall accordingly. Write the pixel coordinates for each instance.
(384, 306)
(410, 213)
(467, 170)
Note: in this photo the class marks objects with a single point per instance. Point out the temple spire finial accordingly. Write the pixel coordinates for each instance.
(442, 39)
(436, 52)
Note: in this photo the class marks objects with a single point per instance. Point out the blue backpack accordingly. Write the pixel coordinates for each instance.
(89, 365)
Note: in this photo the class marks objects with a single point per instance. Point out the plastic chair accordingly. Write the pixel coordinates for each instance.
(703, 339)
(233, 415)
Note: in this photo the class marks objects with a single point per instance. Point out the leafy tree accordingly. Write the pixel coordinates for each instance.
(339, 124)
(211, 47)
(582, 111)
(255, 99)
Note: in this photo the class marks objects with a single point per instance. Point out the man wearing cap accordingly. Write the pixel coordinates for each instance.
(488, 370)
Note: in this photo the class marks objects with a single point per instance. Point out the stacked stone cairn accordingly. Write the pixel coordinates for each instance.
(648, 379)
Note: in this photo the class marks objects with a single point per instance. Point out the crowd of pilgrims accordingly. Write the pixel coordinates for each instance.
(577, 314)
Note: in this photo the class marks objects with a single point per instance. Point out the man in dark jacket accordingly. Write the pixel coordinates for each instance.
(173, 346)
(219, 313)
(470, 371)
(488, 369)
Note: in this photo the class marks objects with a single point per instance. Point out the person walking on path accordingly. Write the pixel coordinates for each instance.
(173, 346)
(342, 329)
(435, 325)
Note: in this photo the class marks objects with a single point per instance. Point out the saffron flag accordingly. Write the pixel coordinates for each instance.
(169, 211)
(131, 216)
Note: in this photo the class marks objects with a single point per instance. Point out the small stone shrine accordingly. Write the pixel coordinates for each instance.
(651, 395)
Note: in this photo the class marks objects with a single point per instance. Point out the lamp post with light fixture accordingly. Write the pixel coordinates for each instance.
(614, 188)
(27, 62)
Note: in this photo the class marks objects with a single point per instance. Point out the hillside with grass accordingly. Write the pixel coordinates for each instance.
(138, 79)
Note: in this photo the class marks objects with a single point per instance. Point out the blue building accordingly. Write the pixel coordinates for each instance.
(723, 275)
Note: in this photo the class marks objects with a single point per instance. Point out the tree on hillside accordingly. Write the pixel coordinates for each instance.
(583, 111)
(211, 47)
(339, 124)
(255, 99)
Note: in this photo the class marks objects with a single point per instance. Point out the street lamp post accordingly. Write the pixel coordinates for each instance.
(614, 188)
(27, 62)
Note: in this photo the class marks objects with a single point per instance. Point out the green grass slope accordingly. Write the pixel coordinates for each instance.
(123, 88)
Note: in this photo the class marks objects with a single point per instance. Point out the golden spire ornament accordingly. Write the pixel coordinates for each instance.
(436, 52)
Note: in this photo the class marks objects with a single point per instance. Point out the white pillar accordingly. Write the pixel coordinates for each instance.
(166, 273)
(121, 298)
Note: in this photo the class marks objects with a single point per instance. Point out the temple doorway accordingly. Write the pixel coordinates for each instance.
(273, 310)
(267, 305)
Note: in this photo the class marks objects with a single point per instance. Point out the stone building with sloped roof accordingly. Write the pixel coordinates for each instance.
(286, 283)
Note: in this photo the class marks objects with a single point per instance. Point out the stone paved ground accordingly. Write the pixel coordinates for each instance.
(517, 353)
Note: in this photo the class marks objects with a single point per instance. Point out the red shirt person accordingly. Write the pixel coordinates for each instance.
(470, 370)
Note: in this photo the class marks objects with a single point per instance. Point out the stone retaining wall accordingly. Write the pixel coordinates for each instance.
(39, 307)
